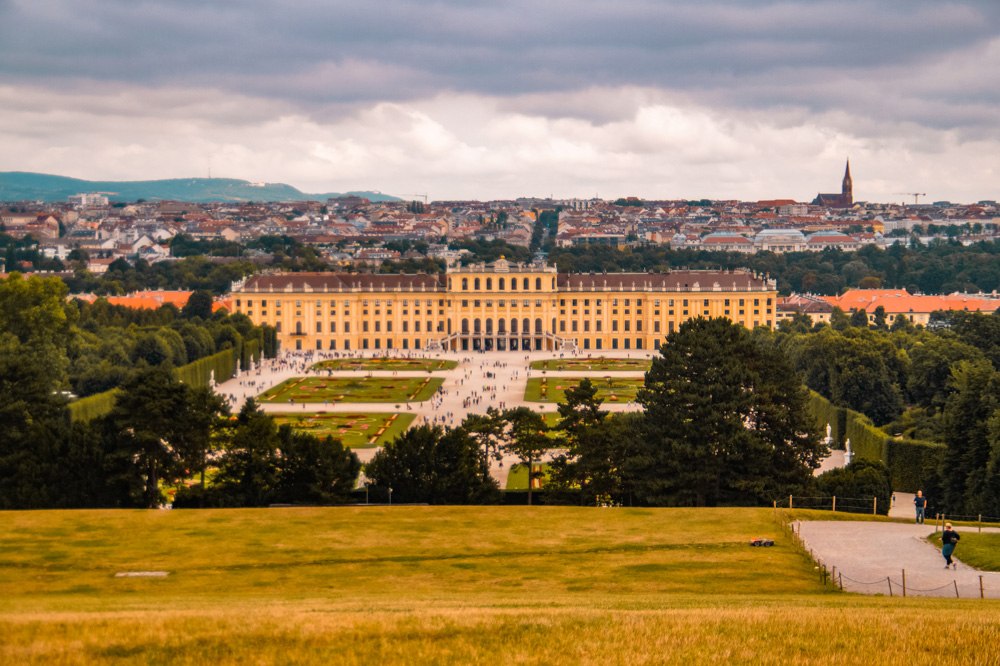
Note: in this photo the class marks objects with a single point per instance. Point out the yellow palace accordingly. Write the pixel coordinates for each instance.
(499, 306)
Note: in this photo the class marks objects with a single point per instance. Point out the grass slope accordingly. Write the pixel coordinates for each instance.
(444, 585)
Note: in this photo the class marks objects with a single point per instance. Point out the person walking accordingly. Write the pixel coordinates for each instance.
(920, 502)
(949, 539)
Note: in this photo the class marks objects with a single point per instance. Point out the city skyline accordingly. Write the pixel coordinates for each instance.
(500, 100)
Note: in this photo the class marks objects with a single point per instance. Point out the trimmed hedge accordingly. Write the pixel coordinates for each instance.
(825, 412)
(912, 463)
(195, 374)
(86, 409)
(200, 372)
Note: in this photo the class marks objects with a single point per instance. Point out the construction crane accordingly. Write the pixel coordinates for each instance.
(916, 195)
(418, 195)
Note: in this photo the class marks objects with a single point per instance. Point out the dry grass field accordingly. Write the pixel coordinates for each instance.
(448, 585)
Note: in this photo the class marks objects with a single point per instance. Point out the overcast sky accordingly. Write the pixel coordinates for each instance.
(486, 99)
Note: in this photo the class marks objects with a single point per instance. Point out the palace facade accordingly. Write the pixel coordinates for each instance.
(499, 306)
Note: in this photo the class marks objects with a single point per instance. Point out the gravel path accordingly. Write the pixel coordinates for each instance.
(868, 553)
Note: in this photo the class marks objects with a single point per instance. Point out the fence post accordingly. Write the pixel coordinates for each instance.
(874, 505)
(904, 582)
(789, 502)
(980, 523)
(955, 583)
(981, 595)
(890, 585)
(835, 504)
(841, 576)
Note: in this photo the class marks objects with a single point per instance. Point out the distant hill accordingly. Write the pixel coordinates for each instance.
(23, 186)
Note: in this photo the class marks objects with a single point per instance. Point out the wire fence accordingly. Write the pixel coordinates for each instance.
(833, 503)
(894, 586)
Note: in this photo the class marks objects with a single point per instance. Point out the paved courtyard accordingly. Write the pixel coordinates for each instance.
(481, 380)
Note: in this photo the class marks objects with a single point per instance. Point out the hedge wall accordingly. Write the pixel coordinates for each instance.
(912, 463)
(194, 374)
(199, 372)
(91, 407)
(825, 412)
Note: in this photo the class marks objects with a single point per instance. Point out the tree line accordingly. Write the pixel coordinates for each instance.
(940, 385)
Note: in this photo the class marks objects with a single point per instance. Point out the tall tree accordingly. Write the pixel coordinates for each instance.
(428, 464)
(315, 471)
(148, 423)
(596, 446)
(249, 468)
(726, 420)
(966, 420)
(525, 438)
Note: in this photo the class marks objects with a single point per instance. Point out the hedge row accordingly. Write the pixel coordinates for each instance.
(826, 413)
(195, 374)
(200, 372)
(912, 463)
(92, 406)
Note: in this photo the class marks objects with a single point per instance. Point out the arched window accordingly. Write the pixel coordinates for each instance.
(476, 326)
(526, 326)
(553, 284)
(502, 286)
(489, 284)
(465, 326)
(489, 327)
(526, 284)
(513, 326)
(465, 284)
(501, 326)
(538, 326)
(538, 284)
(298, 328)
(476, 285)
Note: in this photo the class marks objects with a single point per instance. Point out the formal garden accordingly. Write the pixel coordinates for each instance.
(406, 364)
(352, 389)
(358, 431)
(553, 389)
(598, 364)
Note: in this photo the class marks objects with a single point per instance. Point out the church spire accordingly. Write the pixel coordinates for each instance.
(847, 189)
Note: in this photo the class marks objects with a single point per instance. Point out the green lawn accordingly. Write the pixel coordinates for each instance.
(518, 477)
(596, 364)
(553, 389)
(353, 389)
(981, 551)
(448, 585)
(358, 431)
(410, 364)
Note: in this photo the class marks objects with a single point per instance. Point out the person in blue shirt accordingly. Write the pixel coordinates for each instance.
(921, 503)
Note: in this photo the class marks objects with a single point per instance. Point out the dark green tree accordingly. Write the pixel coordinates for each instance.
(428, 464)
(525, 438)
(596, 447)
(861, 480)
(249, 468)
(314, 471)
(726, 421)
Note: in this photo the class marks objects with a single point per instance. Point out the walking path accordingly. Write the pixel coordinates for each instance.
(869, 555)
